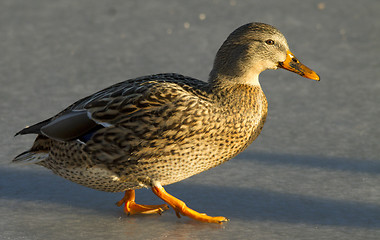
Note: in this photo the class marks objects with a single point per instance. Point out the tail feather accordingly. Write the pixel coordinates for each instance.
(29, 157)
(38, 152)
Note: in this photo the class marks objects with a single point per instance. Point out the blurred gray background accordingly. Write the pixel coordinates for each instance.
(314, 173)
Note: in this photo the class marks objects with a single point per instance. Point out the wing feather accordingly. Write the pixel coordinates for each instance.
(140, 118)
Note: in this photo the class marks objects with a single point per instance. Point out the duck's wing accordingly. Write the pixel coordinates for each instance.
(129, 116)
(148, 123)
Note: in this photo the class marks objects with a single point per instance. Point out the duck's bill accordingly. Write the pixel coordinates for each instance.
(292, 64)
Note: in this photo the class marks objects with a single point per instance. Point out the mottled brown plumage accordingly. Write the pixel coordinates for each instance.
(161, 129)
(164, 127)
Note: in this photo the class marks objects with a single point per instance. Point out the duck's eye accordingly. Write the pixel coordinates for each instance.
(269, 42)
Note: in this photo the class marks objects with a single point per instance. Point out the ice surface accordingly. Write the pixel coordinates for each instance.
(314, 173)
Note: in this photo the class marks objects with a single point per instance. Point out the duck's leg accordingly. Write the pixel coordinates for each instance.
(181, 208)
(131, 207)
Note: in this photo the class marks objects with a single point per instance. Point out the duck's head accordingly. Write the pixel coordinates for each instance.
(251, 49)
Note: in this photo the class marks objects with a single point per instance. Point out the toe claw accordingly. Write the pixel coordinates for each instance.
(224, 220)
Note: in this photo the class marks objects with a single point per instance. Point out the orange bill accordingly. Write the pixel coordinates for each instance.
(292, 64)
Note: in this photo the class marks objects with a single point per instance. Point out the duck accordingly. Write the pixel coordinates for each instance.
(156, 130)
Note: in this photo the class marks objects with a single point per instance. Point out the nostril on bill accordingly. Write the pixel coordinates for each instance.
(295, 60)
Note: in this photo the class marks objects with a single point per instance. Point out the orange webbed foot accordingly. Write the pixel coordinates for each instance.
(131, 207)
(181, 208)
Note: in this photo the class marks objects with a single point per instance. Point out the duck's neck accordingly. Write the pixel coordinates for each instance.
(232, 92)
(220, 81)
(250, 78)
(239, 69)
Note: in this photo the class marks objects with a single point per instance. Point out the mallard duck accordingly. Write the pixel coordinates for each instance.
(156, 130)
